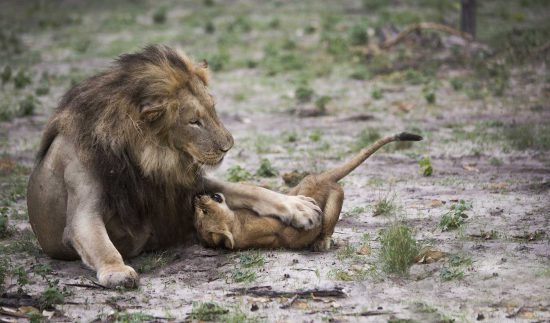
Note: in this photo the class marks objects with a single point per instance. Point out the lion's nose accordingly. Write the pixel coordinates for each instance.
(225, 148)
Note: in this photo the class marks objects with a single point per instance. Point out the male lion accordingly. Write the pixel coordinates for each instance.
(219, 225)
(122, 158)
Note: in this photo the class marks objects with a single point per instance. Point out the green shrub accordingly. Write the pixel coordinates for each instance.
(159, 16)
(50, 297)
(425, 164)
(266, 169)
(238, 174)
(454, 218)
(304, 93)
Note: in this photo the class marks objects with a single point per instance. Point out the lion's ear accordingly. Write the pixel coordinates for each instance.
(151, 112)
(203, 64)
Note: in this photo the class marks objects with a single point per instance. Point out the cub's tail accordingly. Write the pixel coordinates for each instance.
(343, 170)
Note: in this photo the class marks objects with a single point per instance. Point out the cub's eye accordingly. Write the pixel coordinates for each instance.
(217, 197)
(196, 122)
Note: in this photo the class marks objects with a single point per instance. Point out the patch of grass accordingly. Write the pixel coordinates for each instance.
(454, 270)
(358, 35)
(22, 278)
(304, 93)
(266, 169)
(252, 258)
(151, 261)
(237, 174)
(243, 276)
(527, 136)
(494, 161)
(348, 251)
(361, 73)
(4, 222)
(159, 16)
(4, 270)
(457, 83)
(291, 137)
(6, 74)
(262, 143)
(207, 311)
(384, 206)
(50, 297)
(354, 212)
(425, 165)
(414, 77)
(21, 79)
(127, 317)
(454, 218)
(22, 242)
(321, 102)
(315, 135)
(366, 137)
(377, 93)
(398, 248)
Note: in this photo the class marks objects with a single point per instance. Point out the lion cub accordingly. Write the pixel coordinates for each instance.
(217, 224)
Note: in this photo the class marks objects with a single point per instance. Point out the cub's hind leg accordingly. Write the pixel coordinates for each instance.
(332, 210)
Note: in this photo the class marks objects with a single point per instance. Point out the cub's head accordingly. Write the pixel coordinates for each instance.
(214, 220)
(172, 120)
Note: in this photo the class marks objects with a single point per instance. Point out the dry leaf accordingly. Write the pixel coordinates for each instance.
(428, 255)
(365, 250)
(301, 305)
(470, 168)
(436, 203)
(498, 186)
(405, 107)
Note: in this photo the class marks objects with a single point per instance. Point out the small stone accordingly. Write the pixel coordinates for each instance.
(254, 307)
(480, 317)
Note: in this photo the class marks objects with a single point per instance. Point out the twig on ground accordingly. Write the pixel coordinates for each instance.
(266, 291)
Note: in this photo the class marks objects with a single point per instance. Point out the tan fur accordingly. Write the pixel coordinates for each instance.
(217, 224)
(122, 158)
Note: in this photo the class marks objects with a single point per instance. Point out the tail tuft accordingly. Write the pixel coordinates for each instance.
(405, 136)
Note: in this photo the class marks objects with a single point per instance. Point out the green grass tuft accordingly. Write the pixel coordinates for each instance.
(398, 249)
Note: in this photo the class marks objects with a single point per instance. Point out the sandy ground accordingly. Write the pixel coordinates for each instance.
(506, 234)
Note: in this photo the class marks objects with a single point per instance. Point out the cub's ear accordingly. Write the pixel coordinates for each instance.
(229, 241)
(203, 64)
(151, 112)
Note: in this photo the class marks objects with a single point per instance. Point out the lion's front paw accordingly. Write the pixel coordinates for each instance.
(115, 276)
(305, 212)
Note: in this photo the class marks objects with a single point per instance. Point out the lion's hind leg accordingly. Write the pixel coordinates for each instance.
(331, 214)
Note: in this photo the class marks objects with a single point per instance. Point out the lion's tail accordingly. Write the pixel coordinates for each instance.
(343, 170)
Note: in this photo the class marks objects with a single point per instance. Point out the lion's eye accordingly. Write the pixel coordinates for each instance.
(217, 197)
(196, 122)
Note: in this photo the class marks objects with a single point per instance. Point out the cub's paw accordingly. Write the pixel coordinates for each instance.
(118, 276)
(323, 244)
(305, 212)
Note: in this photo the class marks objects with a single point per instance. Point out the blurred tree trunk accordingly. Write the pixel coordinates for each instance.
(468, 17)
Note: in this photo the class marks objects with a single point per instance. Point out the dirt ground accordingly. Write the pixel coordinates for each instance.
(274, 62)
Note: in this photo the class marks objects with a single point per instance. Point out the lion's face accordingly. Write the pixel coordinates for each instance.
(198, 130)
(213, 220)
(194, 128)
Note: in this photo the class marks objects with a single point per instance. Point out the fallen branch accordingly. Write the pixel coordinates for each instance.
(266, 291)
(369, 313)
(424, 25)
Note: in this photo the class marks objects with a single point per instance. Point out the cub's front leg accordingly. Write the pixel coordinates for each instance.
(85, 229)
(299, 211)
